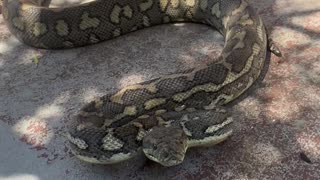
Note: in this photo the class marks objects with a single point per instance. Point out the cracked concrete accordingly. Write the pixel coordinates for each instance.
(277, 128)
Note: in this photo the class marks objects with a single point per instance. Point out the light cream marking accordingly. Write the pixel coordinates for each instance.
(88, 22)
(260, 30)
(39, 29)
(210, 87)
(18, 23)
(111, 143)
(127, 11)
(242, 7)
(80, 127)
(190, 3)
(185, 129)
(117, 32)
(245, 20)
(93, 39)
(137, 124)
(214, 128)
(160, 111)
(115, 14)
(68, 44)
(89, 159)
(130, 110)
(25, 6)
(152, 88)
(196, 118)
(209, 141)
(154, 103)
(62, 28)
(116, 158)
(161, 121)
(163, 5)
(120, 157)
(240, 35)
(203, 4)
(117, 96)
(213, 104)
(97, 101)
(175, 3)
(145, 116)
(142, 132)
(180, 108)
(226, 19)
(146, 21)
(80, 143)
(215, 10)
(146, 5)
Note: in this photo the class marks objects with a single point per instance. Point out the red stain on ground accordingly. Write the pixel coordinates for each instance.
(38, 128)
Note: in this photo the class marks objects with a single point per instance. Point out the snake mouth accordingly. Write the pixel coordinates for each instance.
(165, 158)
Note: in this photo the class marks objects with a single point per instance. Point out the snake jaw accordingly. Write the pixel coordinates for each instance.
(163, 157)
(165, 145)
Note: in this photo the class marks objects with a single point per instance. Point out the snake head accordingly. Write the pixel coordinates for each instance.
(165, 145)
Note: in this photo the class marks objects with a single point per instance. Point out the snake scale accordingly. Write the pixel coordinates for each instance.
(164, 116)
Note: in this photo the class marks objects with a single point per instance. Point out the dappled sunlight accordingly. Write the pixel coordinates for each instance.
(289, 37)
(131, 79)
(37, 130)
(309, 142)
(251, 103)
(306, 21)
(282, 105)
(19, 177)
(8, 45)
(265, 153)
(285, 7)
(90, 93)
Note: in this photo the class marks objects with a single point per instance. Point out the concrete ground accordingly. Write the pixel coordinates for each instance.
(277, 128)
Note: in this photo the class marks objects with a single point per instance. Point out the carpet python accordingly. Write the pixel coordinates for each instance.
(164, 116)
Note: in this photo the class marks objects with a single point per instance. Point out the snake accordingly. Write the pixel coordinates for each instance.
(163, 117)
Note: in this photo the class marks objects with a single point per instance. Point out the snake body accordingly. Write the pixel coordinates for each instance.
(164, 116)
